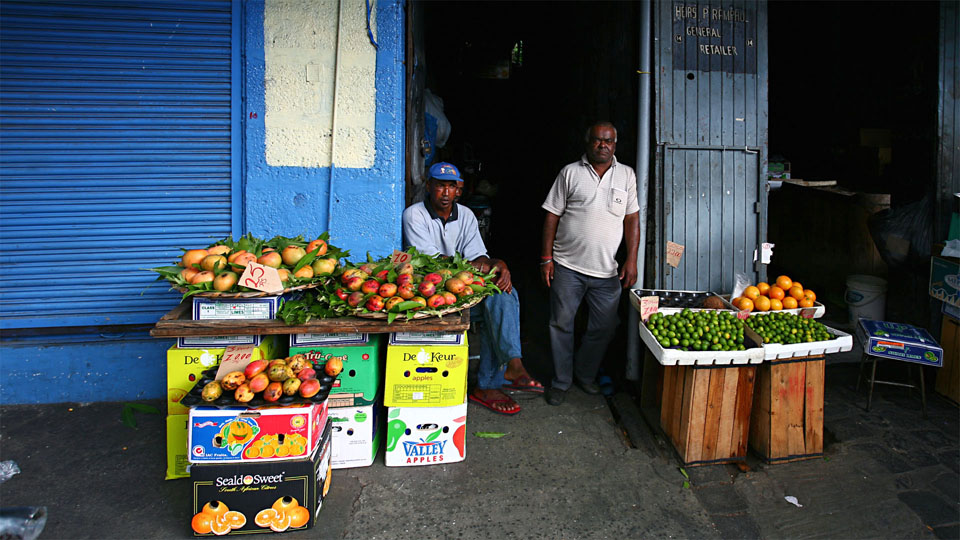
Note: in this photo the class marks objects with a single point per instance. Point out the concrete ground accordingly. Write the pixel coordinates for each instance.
(585, 469)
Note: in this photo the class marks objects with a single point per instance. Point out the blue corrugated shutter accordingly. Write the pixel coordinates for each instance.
(117, 147)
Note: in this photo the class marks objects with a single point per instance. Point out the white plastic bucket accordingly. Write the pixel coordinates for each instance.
(866, 297)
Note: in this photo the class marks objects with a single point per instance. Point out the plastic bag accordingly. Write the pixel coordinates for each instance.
(740, 282)
(903, 235)
(8, 469)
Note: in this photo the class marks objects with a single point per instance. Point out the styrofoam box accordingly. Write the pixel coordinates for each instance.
(842, 343)
(265, 307)
(674, 357)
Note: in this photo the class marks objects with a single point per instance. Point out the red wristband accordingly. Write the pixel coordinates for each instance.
(546, 257)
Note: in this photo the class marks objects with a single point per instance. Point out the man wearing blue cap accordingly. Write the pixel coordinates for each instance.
(441, 225)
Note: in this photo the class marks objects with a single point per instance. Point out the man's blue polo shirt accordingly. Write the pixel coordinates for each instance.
(430, 234)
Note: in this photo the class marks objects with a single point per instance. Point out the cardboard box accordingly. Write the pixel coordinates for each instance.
(948, 378)
(426, 435)
(178, 466)
(426, 338)
(265, 307)
(253, 488)
(236, 434)
(359, 382)
(426, 375)
(356, 435)
(205, 342)
(945, 279)
(184, 367)
(899, 341)
(306, 340)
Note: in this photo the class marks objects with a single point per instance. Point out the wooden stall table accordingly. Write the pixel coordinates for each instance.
(178, 323)
(786, 423)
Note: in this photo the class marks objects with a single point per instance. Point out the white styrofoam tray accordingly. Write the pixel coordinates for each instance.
(775, 351)
(674, 357)
(819, 309)
(636, 294)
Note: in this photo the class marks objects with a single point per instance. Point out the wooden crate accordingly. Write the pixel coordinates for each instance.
(705, 410)
(786, 423)
(948, 376)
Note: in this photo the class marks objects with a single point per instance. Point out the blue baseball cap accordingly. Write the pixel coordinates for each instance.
(445, 171)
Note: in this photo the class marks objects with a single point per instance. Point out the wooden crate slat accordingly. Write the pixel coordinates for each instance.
(731, 378)
(693, 442)
(796, 387)
(760, 416)
(666, 401)
(787, 417)
(711, 425)
(741, 420)
(813, 407)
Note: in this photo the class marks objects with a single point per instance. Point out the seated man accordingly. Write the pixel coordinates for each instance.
(440, 225)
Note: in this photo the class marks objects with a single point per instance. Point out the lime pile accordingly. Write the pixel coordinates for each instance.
(788, 328)
(706, 330)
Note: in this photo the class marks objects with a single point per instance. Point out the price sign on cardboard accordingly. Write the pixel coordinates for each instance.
(674, 253)
(262, 278)
(808, 313)
(235, 358)
(743, 314)
(400, 257)
(648, 306)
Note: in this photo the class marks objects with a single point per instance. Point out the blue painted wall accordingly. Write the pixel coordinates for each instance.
(364, 216)
(367, 203)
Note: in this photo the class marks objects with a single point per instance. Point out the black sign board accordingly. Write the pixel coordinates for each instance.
(714, 37)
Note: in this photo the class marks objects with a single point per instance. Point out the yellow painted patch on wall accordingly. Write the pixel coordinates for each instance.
(302, 86)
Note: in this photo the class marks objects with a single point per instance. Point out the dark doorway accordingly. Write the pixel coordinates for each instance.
(520, 83)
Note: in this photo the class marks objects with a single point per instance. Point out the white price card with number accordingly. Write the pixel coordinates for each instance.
(262, 278)
(648, 306)
(235, 358)
(400, 257)
(674, 253)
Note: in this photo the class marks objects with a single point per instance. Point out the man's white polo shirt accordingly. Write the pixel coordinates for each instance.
(591, 211)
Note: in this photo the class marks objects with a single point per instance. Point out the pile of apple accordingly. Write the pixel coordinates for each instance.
(290, 376)
(218, 267)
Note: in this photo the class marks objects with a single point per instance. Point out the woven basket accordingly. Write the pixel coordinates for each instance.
(421, 315)
(251, 294)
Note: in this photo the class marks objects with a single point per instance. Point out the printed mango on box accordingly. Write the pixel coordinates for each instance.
(177, 463)
(356, 435)
(359, 381)
(426, 374)
(236, 434)
(273, 496)
(184, 367)
(426, 435)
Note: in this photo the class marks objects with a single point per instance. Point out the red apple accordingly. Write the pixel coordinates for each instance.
(426, 288)
(382, 275)
(434, 278)
(387, 290)
(341, 294)
(370, 286)
(355, 299)
(436, 301)
(403, 279)
(374, 303)
(407, 291)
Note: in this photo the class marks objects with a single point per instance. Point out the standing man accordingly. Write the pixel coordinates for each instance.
(440, 225)
(591, 207)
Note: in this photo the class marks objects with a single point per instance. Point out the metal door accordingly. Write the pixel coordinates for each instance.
(119, 144)
(711, 131)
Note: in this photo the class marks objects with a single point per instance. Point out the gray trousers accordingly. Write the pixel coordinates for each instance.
(567, 290)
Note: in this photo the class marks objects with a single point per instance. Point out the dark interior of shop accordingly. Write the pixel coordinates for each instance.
(852, 98)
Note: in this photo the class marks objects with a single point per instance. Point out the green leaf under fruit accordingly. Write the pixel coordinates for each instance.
(489, 434)
(130, 408)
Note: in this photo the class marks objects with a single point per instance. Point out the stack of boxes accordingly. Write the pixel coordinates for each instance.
(425, 391)
(354, 398)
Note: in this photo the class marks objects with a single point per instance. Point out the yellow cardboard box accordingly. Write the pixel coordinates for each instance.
(184, 367)
(177, 446)
(426, 375)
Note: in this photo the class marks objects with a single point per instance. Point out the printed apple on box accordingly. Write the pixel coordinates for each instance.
(426, 375)
(426, 435)
(236, 434)
(263, 497)
(356, 435)
(184, 367)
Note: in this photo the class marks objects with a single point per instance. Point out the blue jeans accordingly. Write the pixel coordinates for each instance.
(567, 290)
(497, 324)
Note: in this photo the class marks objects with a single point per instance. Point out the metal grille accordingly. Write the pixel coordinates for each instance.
(116, 149)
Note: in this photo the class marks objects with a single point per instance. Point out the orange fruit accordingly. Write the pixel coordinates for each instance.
(299, 517)
(784, 282)
(220, 526)
(215, 508)
(806, 302)
(281, 522)
(751, 292)
(265, 517)
(745, 304)
(202, 523)
(775, 292)
(796, 284)
(285, 503)
(333, 367)
(326, 483)
(796, 292)
(775, 305)
(807, 293)
(736, 301)
(762, 303)
(235, 519)
(763, 287)
(789, 303)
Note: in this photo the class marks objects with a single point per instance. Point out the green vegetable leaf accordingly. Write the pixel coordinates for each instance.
(433, 435)
(130, 408)
(489, 434)
(394, 412)
(684, 473)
